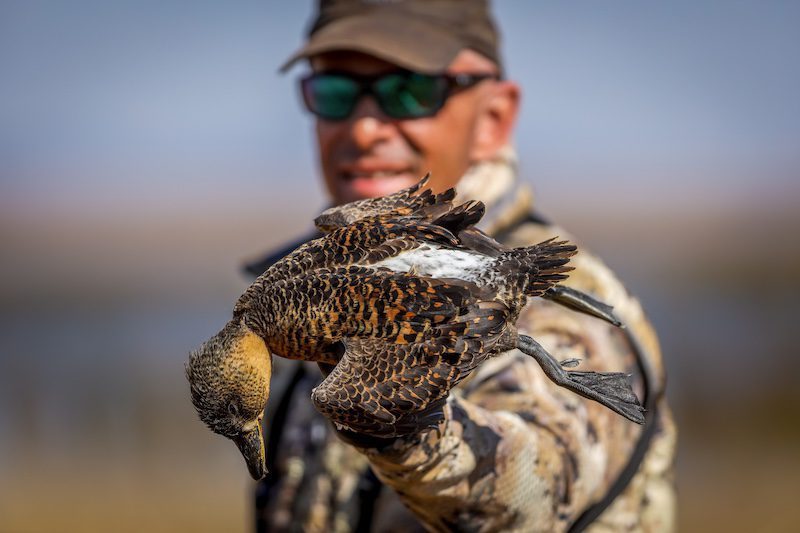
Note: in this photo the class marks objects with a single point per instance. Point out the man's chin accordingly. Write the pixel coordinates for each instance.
(357, 188)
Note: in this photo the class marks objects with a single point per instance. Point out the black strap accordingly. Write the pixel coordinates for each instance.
(369, 489)
(276, 424)
(651, 397)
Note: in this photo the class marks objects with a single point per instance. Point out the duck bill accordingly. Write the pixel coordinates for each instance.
(251, 444)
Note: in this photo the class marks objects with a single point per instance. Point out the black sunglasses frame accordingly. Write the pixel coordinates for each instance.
(366, 84)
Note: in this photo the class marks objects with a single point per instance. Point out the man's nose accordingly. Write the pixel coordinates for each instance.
(370, 125)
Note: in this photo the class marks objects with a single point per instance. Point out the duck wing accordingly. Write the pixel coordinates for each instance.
(374, 238)
(387, 389)
(363, 242)
(403, 203)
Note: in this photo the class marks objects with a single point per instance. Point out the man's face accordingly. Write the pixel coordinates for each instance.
(370, 154)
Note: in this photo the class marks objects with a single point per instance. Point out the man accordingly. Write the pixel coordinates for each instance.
(402, 88)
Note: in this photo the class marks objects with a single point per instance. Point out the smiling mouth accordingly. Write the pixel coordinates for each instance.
(357, 182)
(377, 174)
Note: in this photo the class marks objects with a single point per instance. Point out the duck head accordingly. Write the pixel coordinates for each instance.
(229, 382)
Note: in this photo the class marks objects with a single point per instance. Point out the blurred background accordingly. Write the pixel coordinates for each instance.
(147, 149)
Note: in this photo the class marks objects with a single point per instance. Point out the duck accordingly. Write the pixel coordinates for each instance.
(401, 299)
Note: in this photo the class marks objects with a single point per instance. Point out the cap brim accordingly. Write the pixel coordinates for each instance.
(408, 43)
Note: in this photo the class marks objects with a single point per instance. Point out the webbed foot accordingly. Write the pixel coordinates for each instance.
(611, 389)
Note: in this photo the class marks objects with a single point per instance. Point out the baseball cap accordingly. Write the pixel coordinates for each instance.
(420, 35)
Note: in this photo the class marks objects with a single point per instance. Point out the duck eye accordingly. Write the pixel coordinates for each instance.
(233, 409)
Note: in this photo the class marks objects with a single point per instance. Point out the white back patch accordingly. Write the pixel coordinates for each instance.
(437, 262)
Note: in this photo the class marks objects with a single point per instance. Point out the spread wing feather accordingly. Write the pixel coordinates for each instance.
(386, 390)
(403, 203)
(372, 239)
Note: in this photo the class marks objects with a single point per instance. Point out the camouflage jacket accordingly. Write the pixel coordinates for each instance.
(514, 452)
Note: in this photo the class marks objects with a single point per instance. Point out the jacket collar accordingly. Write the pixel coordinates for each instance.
(496, 183)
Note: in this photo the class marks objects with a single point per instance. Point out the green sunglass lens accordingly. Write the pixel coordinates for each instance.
(410, 95)
(331, 97)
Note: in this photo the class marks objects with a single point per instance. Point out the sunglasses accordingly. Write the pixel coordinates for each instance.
(400, 95)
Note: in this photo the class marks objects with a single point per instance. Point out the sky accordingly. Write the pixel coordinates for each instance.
(114, 109)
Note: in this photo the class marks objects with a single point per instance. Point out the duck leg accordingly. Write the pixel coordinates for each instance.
(582, 302)
(611, 389)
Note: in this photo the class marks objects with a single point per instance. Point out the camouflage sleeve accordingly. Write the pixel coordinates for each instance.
(515, 452)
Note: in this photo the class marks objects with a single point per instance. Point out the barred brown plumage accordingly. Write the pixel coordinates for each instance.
(403, 298)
